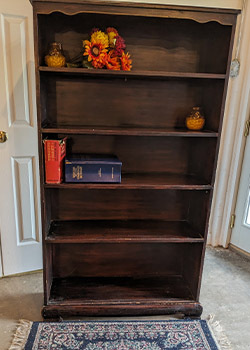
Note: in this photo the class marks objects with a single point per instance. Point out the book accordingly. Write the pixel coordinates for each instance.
(93, 168)
(54, 154)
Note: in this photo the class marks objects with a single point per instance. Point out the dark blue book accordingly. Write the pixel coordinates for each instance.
(93, 168)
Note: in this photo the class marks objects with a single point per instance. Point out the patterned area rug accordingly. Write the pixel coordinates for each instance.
(115, 335)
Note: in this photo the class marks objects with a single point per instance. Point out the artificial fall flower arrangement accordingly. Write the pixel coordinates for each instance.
(106, 50)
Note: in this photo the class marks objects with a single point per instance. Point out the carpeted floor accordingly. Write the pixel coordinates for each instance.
(225, 292)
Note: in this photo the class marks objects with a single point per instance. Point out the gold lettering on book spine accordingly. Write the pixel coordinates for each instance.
(100, 172)
(77, 172)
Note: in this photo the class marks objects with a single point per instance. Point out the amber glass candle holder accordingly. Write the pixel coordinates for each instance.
(195, 120)
(55, 57)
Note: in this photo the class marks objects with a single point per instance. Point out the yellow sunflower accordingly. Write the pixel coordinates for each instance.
(96, 53)
(112, 33)
(100, 37)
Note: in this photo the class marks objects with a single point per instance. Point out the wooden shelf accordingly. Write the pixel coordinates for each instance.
(79, 130)
(132, 74)
(143, 181)
(118, 231)
(118, 290)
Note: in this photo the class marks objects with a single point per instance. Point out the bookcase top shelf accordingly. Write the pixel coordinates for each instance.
(134, 73)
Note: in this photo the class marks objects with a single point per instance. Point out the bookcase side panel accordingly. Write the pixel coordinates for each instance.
(192, 268)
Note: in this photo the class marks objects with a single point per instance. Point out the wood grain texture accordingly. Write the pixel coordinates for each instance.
(112, 290)
(134, 103)
(161, 75)
(119, 231)
(125, 131)
(93, 204)
(157, 181)
(118, 260)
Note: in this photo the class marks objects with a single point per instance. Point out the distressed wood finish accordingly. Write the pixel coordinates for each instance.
(135, 248)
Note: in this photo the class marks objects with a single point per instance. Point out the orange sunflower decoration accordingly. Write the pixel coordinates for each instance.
(96, 48)
(106, 50)
(112, 62)
(96, 53)
(126, 62)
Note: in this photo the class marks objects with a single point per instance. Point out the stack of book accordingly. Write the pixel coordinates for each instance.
(91, 168)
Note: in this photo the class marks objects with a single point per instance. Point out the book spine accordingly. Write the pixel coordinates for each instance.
(54, 153)
(103, 173)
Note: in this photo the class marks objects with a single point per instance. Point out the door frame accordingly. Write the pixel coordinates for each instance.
(232, 139)
(1, 262)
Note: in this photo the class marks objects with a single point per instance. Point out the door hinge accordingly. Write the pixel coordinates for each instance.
(246, 133)
(234, 68)
(232, 221)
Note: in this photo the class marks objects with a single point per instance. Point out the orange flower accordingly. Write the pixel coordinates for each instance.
(126, 62)
(96, 53)
(112, 62)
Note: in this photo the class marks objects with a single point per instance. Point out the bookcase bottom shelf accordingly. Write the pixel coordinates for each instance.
(120, 296)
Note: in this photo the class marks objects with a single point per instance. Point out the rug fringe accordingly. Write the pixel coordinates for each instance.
(21, 335)
(215, 328)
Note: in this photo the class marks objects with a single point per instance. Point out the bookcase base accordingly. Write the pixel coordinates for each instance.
(192, 309)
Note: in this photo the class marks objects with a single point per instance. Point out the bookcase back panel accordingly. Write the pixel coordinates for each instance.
(154, 43)
(141, 155)
(172, 205)
(128, 102)
(120, 260)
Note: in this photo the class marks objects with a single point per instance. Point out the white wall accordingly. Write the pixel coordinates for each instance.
(234, 4)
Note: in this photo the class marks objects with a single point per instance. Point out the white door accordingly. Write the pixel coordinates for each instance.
(241, 231)
(19, 189)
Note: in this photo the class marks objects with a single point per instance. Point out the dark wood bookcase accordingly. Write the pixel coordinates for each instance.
(136, 247)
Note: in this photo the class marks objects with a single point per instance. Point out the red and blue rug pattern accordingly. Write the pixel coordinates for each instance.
(121, 335)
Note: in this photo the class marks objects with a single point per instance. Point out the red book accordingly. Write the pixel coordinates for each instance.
(54, 153)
